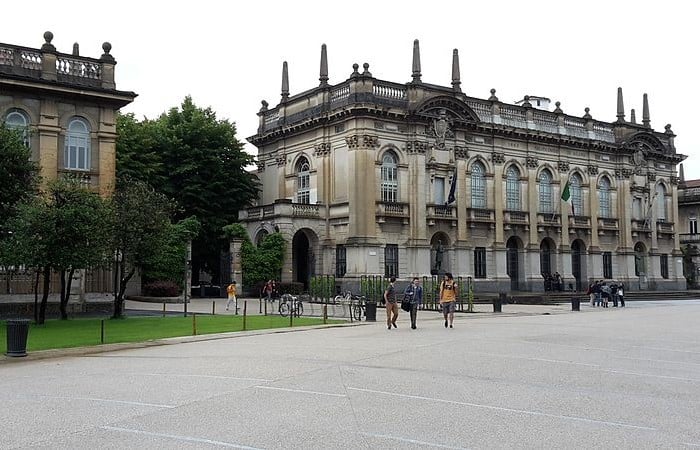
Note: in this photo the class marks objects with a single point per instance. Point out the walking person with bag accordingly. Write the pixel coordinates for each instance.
(232, 296)
(412, 298)
(392, 306)
(448, 297)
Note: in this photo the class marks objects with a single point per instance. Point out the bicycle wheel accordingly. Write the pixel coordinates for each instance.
(284, 309)
(300, 309)
(357, 312)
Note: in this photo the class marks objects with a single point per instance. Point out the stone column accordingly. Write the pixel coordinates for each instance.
(531, 260)
(236, 267)
(49, 130)
(107, 152)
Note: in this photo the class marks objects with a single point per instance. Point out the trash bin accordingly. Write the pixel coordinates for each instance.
(575, 304)
(17, 331)
(371, 310)
(498, 302)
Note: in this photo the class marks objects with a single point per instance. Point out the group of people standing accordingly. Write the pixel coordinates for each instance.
(601, 293)
(413, 296)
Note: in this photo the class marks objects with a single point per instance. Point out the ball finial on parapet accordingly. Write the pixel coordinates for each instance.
(493, 97)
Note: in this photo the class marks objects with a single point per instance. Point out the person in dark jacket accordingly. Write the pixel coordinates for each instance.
(414, 295)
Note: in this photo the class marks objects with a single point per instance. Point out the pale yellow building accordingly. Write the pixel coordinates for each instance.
(67, 105)
(359, 175)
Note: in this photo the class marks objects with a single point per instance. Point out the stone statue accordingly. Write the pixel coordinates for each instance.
(439, 251)
(441, 129)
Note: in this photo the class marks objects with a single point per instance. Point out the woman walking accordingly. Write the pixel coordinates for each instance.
(392, 308)
(414, 296)
(448, 296)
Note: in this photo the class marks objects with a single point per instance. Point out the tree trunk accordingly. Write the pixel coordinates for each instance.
(45, 296)
(65, 291)
(119, 300)
(36, 295)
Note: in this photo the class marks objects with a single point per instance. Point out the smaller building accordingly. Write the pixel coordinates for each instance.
(688, 213)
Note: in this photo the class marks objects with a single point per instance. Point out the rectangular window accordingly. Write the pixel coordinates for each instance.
(664, 266)
(693, 226)
(439, 190)
(341, 264)
(391, 260)
(607, 265)
(480, 262)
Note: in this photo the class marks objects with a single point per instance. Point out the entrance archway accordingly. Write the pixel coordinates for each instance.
(578, 269)
(547, 249)
(303, 257)
(513, 263)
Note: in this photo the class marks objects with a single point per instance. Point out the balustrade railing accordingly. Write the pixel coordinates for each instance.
(575, 127)
(606, 222)
(78, 68)
(386, 90)
(545, 122)
(664, 227)
(603, 132)
(513, 117)
(483, 110)
(304, 210)
(340, 93)
(547, 218)
(480, 215)
(253, 213)
(579, 221)
(689, 238)
(268, 210)
(271, 118)
(515, 216)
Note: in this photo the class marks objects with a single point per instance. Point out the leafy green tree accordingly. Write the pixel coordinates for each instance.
(19, 174)
(142, 228)
(67, 229)
(193, 157)
(167, 262)
(258, 263)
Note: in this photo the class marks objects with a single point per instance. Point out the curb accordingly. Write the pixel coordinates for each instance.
(106, 348)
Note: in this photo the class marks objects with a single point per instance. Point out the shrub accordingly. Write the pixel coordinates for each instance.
(294, 288)
(161, 289)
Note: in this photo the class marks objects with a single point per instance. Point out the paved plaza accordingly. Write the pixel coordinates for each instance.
(601, 378)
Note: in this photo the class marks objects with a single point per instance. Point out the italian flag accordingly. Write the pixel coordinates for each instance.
(566, 196)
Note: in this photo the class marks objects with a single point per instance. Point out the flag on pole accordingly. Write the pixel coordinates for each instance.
(453, 188)
(566, 196)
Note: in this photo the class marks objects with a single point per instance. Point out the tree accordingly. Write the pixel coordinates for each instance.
(258, 263)
(167, 262)
(142, 218)
(197, 160)
(19, 174)
(67, 229)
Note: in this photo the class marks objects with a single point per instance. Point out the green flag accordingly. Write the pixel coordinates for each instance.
(566, 196)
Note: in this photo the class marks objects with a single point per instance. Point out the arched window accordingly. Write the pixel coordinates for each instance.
(513, 189)
(303, 181)
(545, 188)
(390, 181)
(604, 207)
(77, 149)
(575, 183)
(478, 185)
(660, 202)
(18, 120)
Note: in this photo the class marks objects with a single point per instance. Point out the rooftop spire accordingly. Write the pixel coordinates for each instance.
(416, 62)
(681, 174)
(620, 106)
(285, 82)
(323, 73)
(633, 116)
(455, 71)
(645, 112)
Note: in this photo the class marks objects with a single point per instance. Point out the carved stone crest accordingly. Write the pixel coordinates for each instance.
(674, 180)
(281, 159)
(440, 129)
(461, 153)
(498, 157)
(563, 166)
(651, 176)
(322, 149)
(531, 162)
(592, 170)
(638, 158)
(364, 141)
(416, 147)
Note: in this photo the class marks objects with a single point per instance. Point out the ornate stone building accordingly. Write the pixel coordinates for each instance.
(66, 104)
(688, 214)
(375, 177)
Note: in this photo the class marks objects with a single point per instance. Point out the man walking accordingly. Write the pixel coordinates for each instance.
(392, 307)
(232, 296)
(448, 297)
(414, 296)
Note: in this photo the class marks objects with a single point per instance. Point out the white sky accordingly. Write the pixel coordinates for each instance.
(228, 55)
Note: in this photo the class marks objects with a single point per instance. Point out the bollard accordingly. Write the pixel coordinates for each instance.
(213, 307)
(325, 314)
(245, 312)
(102, 331)
(498, 302)
(260, 304)
(575, 304)
(194, 324)
(291, 314)
(163, 309)
(265, 307)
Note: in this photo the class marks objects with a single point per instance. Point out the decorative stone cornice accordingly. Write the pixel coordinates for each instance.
(592, 170)
(623, 173)
(531, 162)
(461, 153)
(498, 157)
(674, 180)
(651, 176)
(281, 160)
(416, 147)
(322, 149)
(563, 166)
(362, 141)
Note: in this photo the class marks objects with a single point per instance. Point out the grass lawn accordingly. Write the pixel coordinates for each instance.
(84, 332)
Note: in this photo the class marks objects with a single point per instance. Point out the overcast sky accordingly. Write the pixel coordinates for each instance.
(228, 55)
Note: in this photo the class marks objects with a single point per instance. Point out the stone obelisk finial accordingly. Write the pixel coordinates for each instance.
(645, 111)
(416, 62)
(633, 116)
(285, 82)
(681, 174)
(323, 73)
(620, 106)
(455, 71)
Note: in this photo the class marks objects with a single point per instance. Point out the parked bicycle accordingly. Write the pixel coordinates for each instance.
(290, 304)
(356, 304)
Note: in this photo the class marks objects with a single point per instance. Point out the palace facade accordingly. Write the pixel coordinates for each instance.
(371, 177)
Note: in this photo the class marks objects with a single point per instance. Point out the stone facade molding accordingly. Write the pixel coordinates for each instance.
(322, 149)
(362, 141)
(563, 166)
(531, 162)
(418, 147)
(592, 170)
(498, 157)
